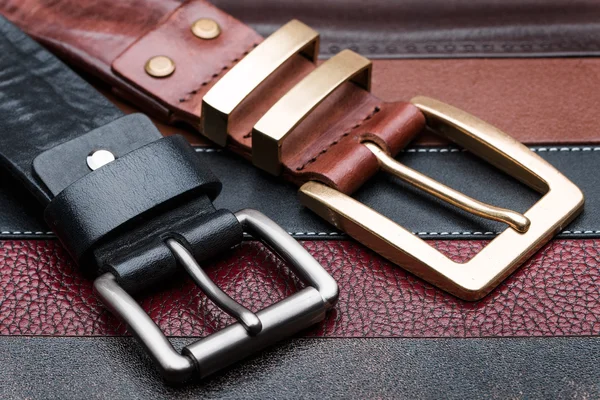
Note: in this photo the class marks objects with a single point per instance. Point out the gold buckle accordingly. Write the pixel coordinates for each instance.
(561, 202)
(220, 101)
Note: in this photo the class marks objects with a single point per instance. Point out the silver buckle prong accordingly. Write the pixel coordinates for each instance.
(240, 339)
(244, 316)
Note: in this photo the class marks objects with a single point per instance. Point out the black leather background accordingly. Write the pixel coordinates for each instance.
(246, 187)
(115, 368)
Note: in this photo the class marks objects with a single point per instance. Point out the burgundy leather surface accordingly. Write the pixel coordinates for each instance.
(554, 294)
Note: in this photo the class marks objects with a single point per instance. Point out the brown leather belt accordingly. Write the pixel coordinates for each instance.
(320, 127)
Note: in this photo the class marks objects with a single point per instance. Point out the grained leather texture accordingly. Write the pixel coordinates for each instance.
(113, 368)
(429, 218)
(436, 28)
(553, 294)
(31, 120)
(536, 101)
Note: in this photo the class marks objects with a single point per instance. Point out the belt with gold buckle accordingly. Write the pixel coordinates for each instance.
(561, 202)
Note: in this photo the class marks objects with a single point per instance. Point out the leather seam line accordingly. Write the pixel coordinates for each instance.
(533, 149)
(452, 48)
(448, 150)
(26, 233)
(474, 233)
(191, 94)
(336, 141)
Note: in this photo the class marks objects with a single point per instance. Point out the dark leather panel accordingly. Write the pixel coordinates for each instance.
(436, 28)
(245, 186)
(426, 216)
(114, 368)
(553, 294)
(30, 119)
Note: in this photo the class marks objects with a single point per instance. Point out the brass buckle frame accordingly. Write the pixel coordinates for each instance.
(562, 200)
(227, 94)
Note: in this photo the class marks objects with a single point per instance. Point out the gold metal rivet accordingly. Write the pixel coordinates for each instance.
(160, 66)
(206, 28)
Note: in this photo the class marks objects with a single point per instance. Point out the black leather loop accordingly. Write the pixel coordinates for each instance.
(62, 165)
(129, 188)
(117, 217)
(142, 259)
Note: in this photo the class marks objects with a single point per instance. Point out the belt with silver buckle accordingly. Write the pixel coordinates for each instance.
(132, 207)
(252, 331)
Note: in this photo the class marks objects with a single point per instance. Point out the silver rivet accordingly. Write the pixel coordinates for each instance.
(99, 158)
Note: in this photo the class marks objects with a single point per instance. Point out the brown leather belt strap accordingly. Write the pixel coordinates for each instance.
(325, 147)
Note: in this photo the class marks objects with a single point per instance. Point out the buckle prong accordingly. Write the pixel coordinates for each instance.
(246, 317)
(515, 220)
(561, 202)
(252, 332)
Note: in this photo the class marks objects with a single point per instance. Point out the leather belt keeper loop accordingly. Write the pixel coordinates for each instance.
(125, 190)
(205, 236)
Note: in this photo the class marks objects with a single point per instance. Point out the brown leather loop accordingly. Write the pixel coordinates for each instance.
(325, 147)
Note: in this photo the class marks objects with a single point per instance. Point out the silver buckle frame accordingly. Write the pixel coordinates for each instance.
(252, 332)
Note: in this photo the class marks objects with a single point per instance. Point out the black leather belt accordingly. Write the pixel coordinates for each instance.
(131, 207)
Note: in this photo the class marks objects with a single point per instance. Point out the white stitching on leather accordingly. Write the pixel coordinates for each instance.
(476, 233)
(411, 150)
(446, 149)
(534, 149)
(25, 233)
